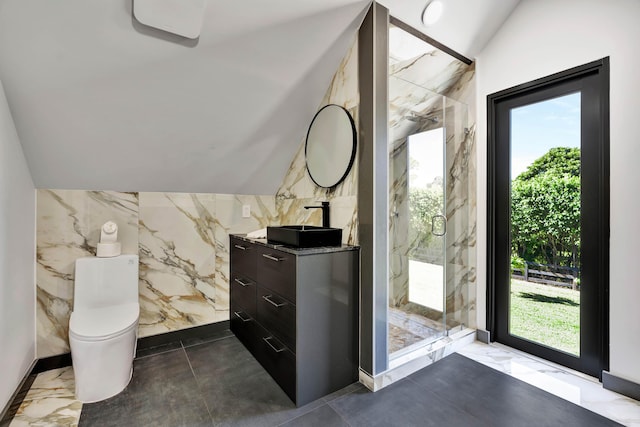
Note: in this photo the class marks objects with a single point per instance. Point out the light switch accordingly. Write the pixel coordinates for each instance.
(246, 211)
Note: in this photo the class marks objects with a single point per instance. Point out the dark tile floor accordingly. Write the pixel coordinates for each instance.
(219, 383)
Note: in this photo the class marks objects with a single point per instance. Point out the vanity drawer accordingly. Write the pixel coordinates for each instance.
(245, 328)
(277, 271)
(243, 258)
(243, 293)
(278, 360)
(278, 316)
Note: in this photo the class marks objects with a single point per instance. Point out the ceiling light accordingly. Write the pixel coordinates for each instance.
(432, 12)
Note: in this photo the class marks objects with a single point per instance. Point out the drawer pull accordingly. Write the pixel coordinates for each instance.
(272, 258)
(241, 283)
(268, 299)
(268, 341)
(239, 316)
(242, 248)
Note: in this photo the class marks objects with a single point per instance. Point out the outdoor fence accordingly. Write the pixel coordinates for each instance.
(431, 255)
(555, 275)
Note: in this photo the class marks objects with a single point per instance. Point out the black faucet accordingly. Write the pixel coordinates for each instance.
(325, 213)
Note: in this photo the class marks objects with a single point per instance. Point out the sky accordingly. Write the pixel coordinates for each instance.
(535, 128)
(426, 148)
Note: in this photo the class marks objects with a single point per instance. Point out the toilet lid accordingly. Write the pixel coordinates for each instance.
(102, 322)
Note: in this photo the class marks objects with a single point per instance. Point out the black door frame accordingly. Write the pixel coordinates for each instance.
(597, 358)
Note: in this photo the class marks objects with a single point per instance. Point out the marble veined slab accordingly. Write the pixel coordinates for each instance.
(177, 262)
(50, 401)
(68, 226)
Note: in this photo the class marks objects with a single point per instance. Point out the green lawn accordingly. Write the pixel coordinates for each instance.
(545, 314)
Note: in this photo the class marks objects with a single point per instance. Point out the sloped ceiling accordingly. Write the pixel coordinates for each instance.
(103, 103)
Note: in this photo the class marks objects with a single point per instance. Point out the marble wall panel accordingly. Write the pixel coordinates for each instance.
(398, 229)
(68, 226)
(181, 239)
(177, 262)
(435, 71)
(464, 90)
(298, 190)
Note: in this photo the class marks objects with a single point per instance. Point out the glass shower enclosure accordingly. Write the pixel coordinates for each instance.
(428, 216)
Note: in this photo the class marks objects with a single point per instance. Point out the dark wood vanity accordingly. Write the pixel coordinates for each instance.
(296, 311)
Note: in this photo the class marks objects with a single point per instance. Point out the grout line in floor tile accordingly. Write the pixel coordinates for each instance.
(160, 352)
(184, 350)
(205, 342)
(338, 412)
(299, 415)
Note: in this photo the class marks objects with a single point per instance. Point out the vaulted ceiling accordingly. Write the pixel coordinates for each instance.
(102, 102)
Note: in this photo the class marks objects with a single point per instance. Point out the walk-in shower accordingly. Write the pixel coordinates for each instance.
(429, 204)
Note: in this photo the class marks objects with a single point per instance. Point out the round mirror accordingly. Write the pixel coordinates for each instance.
(331, 146)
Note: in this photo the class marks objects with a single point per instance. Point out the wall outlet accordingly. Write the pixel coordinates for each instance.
(246, 211)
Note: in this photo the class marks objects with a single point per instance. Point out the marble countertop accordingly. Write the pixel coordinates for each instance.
(297, 251)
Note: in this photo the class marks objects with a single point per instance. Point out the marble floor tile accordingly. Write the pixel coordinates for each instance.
(406, 329)
(569, 385)
(50, 401)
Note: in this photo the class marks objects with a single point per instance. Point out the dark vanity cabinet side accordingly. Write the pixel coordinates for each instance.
(304, 327)
(326, 323)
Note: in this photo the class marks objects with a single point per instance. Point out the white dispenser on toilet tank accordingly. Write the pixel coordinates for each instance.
(109, 245)
(103, 327)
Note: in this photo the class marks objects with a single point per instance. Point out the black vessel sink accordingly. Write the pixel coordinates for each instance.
(304, 236)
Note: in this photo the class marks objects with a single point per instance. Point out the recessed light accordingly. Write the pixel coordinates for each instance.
(432, 12)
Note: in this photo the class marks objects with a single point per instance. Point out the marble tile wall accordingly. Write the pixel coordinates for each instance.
(182, 242)
(465, 176)
(298, 190)
(178, 262)
(429, 85)
(68, 227)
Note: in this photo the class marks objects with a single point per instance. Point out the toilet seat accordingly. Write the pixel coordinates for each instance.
(98, 324)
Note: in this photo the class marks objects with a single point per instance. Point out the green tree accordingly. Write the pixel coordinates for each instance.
(545, 209)
(556, 161)
(424, 204)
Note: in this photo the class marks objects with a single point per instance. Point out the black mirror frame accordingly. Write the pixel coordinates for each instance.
(353, 149)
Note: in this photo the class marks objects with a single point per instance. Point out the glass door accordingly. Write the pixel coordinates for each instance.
(548, 219)
(417, 308)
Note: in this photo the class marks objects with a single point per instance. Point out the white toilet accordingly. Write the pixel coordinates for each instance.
(103, 327)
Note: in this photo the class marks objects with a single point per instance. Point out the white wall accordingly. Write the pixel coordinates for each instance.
(542, 37)
(17, 259)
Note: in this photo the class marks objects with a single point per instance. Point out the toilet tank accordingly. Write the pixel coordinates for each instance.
(101, 282)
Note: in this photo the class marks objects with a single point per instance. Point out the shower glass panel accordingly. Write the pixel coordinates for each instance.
(428, 265)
